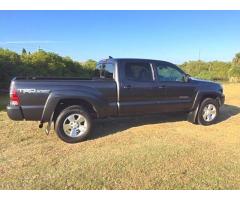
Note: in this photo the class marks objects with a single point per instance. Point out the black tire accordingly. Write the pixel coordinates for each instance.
(62, 117)
(206, 102)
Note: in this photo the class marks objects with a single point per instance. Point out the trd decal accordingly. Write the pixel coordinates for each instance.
(33, 91)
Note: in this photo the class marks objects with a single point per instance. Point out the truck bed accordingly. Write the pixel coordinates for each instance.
(34, 91)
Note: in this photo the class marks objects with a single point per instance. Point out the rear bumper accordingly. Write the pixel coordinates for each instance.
(15, 113)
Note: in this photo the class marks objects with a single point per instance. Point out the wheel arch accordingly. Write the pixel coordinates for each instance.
(65, 103)
(59, 100)
(192, 115)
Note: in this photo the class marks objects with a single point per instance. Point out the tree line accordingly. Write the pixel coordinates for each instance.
(214, 70)
(42, 63)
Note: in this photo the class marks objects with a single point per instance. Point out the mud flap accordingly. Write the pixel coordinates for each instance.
(192, 116)
(48, 128)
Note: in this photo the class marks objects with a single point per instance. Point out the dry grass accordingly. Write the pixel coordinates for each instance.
(158, 152)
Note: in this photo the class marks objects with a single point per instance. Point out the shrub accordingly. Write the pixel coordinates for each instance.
(234, 73)
(215, 70)
(40, 63)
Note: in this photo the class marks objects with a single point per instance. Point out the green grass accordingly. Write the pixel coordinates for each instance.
(155, 152)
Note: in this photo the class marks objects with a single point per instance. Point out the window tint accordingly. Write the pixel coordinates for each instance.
(138, 72)
(169, 73)
(104, 70)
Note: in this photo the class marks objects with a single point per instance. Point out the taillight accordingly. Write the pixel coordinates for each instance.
(14, 98)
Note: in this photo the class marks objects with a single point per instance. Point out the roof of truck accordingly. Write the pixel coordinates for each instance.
(130, 59)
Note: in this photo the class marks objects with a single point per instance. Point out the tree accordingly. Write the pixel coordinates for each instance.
(24, 52)
(40, 63)
(215, 70)
(90, 64)
(9, 61)
(236, 59)
(234, 72)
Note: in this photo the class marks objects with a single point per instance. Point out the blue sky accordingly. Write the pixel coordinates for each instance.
(175, 36)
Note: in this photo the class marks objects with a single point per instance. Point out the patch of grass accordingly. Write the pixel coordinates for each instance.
(154, 152)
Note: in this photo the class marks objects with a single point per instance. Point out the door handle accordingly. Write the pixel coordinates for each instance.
(127, 86)
(161, 86)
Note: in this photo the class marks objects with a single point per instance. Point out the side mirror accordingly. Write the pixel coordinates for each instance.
(186, 78)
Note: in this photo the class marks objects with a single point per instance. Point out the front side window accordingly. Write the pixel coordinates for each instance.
(104, 70)
(169, 73)
(138, 72)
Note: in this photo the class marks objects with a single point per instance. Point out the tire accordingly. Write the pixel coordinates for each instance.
(208, 112)
(73, 124)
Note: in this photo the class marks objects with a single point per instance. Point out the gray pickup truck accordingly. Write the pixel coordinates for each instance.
(120, 87)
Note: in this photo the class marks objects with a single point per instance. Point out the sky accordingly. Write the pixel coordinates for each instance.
(175, 36)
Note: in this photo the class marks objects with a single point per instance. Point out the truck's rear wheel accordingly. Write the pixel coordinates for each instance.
(208, 112)
(73, 124)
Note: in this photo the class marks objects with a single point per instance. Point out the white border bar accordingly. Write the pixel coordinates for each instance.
(119, 4)
(120, 195)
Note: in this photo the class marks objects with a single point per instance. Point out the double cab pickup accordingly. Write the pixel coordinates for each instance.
(120, 87)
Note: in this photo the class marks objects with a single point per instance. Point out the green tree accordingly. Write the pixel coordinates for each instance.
(9, 61)
(215, 70)
(236, 59)
(40, 63)
(90, 64)
(24, 52)
(234, 72)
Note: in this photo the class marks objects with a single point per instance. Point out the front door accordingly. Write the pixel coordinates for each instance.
(179, 94)
(138, 89)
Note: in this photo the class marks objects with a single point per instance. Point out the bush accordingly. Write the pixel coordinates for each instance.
(40, 63)
(215, 70)
(204, 75)
(234, 73)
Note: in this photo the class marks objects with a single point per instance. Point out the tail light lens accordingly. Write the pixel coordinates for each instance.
(14, 98)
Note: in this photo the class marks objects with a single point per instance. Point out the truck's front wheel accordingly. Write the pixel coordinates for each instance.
(73, 124)
(208, 112)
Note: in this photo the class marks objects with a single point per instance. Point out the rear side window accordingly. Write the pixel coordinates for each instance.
(105, 70)
(138, 72)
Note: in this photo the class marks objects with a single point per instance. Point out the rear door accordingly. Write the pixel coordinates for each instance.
(138, 88)
(179, 94)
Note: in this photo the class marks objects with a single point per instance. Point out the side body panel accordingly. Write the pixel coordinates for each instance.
(38, 98)
(179, 96)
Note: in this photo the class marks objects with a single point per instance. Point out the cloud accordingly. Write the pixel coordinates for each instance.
(30, 42)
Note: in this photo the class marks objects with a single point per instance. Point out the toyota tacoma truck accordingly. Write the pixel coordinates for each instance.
(120, 87)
